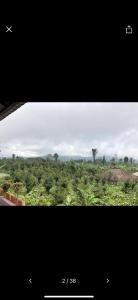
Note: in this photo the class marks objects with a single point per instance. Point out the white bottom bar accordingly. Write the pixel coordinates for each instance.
(70, 296)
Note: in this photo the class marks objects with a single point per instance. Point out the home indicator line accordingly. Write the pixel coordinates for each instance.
(69, 296)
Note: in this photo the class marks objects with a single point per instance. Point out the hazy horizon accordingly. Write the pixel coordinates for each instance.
(71, 128)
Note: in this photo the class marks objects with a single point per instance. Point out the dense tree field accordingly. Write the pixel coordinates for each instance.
(40, 181)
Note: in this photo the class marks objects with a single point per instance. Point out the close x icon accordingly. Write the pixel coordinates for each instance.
(7, 28)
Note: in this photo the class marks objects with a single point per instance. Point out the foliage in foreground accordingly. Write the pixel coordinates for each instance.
(57, 183)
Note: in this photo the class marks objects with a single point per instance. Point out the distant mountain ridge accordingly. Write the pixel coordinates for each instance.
(79, 157)
(86, 158)
(73, 157)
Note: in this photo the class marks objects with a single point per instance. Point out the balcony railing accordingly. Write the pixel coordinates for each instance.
(11, 199)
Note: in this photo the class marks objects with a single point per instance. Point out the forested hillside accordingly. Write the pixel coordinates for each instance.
(46, 181)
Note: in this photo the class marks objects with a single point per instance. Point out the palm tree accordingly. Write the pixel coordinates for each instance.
(131, 160)
(126, 159)
(103, 160)
(56, 156)
(94, 152)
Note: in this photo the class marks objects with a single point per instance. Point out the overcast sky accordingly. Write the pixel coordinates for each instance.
(71, 129)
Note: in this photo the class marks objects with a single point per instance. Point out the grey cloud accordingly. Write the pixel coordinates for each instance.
(71, 128)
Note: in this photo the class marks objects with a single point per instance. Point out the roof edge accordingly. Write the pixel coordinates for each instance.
(10, 109)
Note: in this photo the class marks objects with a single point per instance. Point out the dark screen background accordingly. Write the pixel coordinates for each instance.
(67, 53)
